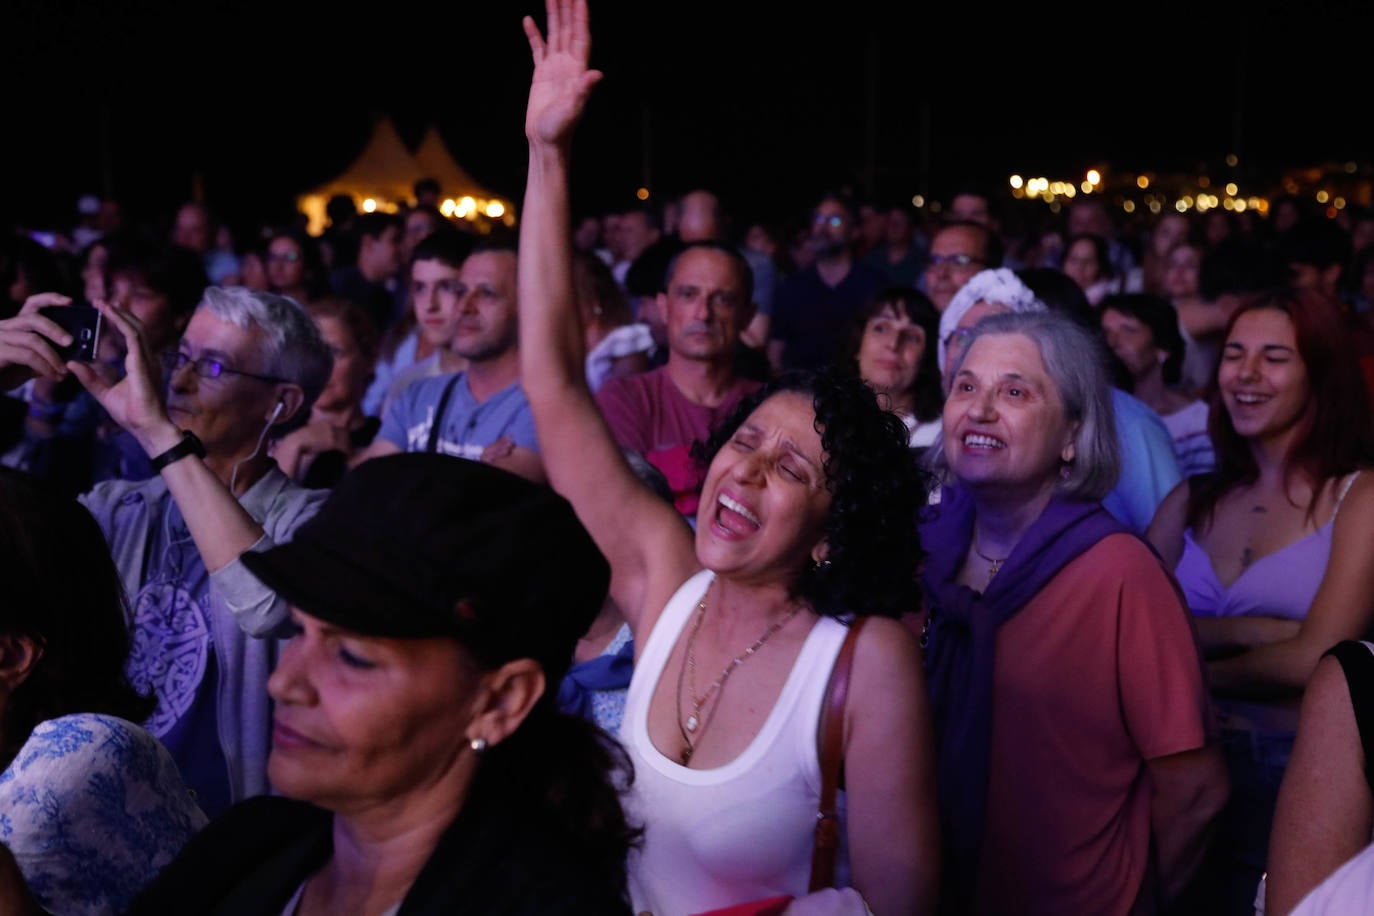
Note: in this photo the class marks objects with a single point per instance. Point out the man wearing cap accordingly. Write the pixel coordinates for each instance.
(248, 364)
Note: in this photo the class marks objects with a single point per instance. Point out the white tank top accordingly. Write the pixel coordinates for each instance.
(743, 831)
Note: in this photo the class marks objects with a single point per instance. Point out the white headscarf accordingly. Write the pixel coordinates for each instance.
(995, 286)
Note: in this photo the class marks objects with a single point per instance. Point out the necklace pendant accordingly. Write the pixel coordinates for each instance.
(691, 723)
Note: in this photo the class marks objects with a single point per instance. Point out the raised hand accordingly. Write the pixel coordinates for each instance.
(562, 81)
(135, 401)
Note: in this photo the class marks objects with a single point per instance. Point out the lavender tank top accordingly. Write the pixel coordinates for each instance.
(1280, 584)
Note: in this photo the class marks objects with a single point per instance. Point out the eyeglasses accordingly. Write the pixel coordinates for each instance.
(951, 261)
(287, 257)
(834, 222)
(207, 367)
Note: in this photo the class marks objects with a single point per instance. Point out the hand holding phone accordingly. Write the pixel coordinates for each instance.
(81, 320)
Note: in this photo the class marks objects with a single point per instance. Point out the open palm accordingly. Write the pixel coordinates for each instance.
(562, 81)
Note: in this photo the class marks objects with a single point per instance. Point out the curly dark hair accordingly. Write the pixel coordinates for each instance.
(876, 486)
(563, 777)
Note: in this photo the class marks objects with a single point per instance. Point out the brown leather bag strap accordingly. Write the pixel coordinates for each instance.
(832, 756)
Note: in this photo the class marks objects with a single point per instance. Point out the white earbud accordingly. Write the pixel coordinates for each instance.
(281, 405)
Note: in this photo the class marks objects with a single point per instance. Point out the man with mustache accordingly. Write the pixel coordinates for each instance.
(662, 412)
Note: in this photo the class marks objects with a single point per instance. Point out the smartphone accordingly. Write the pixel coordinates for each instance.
(83, 322)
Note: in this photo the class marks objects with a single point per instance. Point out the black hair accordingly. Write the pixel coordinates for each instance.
(876, 487)
(1060, 294)
(908, 302)
(1159, 315)
(560, 776)
(1239, 265)
(373, 225)
(316, 274)
(446, 245)
(62, 591)
(742, 268)
(994, 249)
(172, 270)
(1316, 241)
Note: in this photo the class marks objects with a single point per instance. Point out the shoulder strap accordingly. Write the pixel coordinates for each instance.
(832, 757)
(433, 442)
(1357, 662)
(1345, 488)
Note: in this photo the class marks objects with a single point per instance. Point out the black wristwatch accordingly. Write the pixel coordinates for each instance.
(189, 445)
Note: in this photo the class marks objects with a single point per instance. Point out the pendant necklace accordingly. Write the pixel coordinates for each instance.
(694, 725)
(994, 563)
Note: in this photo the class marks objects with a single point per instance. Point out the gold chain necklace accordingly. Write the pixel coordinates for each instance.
(995, 563)
(694, 726)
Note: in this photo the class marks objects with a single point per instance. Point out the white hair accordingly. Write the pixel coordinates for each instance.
(995, 286)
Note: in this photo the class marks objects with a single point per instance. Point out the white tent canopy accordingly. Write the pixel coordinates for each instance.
(383, 177)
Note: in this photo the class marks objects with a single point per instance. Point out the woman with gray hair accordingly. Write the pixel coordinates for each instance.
(1149, 469)
(1071, 715)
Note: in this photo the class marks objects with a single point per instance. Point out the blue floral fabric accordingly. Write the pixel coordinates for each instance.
(93, 807)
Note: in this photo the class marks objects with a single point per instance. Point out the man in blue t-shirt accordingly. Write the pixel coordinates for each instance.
(480, 411)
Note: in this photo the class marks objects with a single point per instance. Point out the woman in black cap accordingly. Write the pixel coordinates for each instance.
(807, 517)
(436, 602)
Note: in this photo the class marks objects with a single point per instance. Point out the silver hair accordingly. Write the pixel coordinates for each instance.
(1077, 365)
(294, 351)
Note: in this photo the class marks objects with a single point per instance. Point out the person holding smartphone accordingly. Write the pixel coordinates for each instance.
(248, 366)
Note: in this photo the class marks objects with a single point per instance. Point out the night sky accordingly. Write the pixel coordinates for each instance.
(764, 103)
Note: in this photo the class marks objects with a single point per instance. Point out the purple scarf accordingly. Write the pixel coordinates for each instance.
(961, 643)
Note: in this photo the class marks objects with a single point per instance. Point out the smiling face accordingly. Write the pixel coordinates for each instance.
(890, 353)
(364, 721)
(1005, 431)
(764, 502)
(1262, 377)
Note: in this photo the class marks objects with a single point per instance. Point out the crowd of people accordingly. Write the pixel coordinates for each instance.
(407, 569)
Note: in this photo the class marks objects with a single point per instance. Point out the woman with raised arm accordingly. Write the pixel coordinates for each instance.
(807, 518)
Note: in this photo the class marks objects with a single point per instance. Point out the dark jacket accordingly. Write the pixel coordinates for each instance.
(251, 859)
